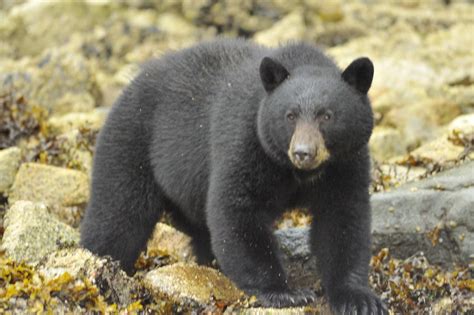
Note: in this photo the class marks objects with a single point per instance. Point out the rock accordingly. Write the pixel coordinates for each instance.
(50, 184)
(297, 259)
(320, 309)
(114, 284)
(168, 240)
(189, 283)
(92, 120)
(10, 160)
(64, 191)
(31, 232)
(29, 33)
(393, 175)
(291, 27)
(440, 151)
(175, 25)
(386, 143)
(461, 130)
(59, 81)
(431, 215)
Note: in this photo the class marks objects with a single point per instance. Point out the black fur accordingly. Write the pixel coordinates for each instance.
(198, 133)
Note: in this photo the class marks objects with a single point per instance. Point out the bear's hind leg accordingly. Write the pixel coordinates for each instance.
(125, 202)
(119, 220)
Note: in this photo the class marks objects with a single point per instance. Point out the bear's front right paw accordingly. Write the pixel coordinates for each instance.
(286, 298)
(357, 301)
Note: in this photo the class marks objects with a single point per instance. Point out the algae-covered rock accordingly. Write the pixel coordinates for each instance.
(92, 120)
(439, 151)
(461, 130)
(289, 28)
(192, 283)
(115, 285)
(50, 184)
(166, 239)
(59, 81)
(31, 232)
(31, 27)
(9, 162)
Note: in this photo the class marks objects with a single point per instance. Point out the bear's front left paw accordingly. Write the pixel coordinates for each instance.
(286, 298)
(358, 300)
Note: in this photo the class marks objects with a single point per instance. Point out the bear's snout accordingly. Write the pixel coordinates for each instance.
(307, 148)
(304, 153)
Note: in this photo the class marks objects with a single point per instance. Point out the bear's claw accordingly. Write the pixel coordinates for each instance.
(287, 298)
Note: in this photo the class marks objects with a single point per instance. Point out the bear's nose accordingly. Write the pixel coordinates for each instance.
(303, 153)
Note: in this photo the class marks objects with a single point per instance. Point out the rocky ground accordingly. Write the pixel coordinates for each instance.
(62, 64)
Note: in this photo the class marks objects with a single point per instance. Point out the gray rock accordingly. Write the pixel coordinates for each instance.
(297, 259)
(31, 232)
(434, 215)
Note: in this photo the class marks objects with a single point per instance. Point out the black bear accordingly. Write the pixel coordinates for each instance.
(227, 135)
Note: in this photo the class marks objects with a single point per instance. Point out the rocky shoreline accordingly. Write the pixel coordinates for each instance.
(63, 63)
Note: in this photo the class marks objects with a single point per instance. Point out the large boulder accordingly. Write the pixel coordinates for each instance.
(50, 184)
(64, 191)
(432, 215)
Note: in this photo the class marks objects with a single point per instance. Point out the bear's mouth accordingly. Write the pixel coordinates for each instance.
(310, 164)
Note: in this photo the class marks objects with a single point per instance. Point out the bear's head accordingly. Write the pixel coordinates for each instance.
(312, 115)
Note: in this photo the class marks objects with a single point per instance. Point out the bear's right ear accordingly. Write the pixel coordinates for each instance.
(272, 73)
(359, 74)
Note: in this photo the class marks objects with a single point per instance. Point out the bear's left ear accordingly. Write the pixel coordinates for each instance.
(272, 73)
(359, 74)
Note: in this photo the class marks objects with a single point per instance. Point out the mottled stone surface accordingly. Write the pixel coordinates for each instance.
(50, 185)
(31, 232)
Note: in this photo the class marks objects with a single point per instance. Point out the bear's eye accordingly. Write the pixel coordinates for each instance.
(290, 116)
(327, 116)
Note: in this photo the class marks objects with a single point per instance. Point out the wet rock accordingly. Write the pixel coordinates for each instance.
(189, 283)
(113, 283)
(386, 143)
(10, 160)
(50, 184)
(291, 27)
(31, 232)
(64, 191)
(167, 240)
(431, 215)
(92, 120)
